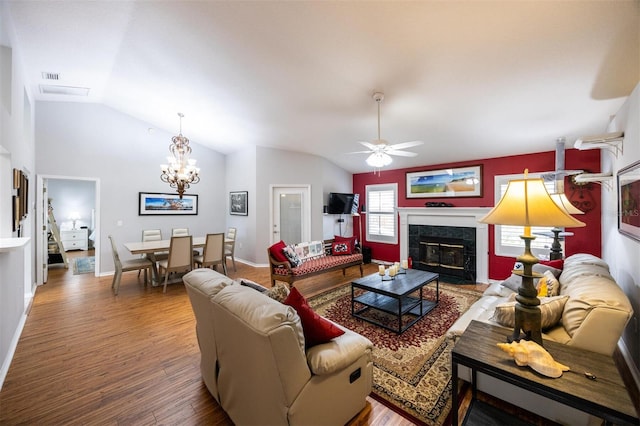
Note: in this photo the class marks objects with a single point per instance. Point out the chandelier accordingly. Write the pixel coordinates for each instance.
(181, 171)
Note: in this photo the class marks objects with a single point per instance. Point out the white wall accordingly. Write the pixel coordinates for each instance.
(255, 169)
(94, 141)
(335, 179)
(621, 252)
(16, 151)
(241, 176)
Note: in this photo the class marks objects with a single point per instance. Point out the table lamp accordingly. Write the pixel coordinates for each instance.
(527, 203)
(74, 218)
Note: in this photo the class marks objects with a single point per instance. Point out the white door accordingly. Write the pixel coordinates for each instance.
(291, 214)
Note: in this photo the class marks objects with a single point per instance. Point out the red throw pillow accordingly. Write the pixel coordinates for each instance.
(339, 248)
(276, 251)
(351, 240)
(558, 263)
(316, 329)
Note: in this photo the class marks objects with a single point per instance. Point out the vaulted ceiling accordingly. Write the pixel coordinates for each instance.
(472, 79)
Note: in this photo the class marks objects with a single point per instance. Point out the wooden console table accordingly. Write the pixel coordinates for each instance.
(605, 397)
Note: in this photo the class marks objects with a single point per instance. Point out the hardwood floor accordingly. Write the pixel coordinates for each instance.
(88, 357)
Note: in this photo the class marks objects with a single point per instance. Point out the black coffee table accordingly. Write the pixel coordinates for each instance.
(395, 297)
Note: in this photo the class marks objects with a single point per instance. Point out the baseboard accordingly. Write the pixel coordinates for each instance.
(252, 264)
(12, 349)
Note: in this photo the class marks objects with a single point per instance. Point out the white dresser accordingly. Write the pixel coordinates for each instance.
(76, 239)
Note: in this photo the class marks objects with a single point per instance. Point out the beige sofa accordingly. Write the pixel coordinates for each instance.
(254, 362)
(593, 318)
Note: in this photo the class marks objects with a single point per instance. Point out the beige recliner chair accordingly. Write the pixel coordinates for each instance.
(254, 363)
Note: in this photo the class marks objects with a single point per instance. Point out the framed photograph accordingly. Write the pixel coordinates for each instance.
(459, 182)
(156, 203)
(629, 201)
(16, 213)
(239, 203)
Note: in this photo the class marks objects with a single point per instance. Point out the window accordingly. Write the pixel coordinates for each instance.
(382, 222)
(507, 238)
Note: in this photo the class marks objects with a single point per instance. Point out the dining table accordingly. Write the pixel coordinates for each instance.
(150, 248)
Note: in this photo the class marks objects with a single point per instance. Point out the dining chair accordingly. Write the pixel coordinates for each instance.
(213, 253)
(180, 258)
(142, 264)
(153, 235)
(230, 247)
(179, 232)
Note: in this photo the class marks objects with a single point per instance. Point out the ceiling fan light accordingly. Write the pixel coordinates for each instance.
(379, 159)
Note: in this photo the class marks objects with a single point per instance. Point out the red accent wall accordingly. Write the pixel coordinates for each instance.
(586, 240)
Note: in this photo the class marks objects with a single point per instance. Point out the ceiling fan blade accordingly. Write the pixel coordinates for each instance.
(371, 146)
(404, 145)
(359, 152)
(401, 153)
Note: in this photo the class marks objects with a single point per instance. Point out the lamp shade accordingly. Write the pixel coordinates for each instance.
(562, 201)
(527, 203)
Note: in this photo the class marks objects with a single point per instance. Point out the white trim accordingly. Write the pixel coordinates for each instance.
(6, 363)
(306, 207)
(449, 216)
(377, 188)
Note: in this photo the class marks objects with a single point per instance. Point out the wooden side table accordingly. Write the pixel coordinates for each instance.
(605, 397)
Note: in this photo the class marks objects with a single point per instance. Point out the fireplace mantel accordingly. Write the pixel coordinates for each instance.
(449, 216)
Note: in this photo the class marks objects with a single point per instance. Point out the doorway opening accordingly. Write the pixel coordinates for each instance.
(73, 241)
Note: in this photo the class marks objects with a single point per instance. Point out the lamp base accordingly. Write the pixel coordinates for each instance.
(528, 319)
(556, 247)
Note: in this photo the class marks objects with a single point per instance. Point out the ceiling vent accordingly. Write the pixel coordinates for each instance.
(64, 90)
(50, 76)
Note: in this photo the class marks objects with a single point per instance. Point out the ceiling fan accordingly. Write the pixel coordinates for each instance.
(380, 151)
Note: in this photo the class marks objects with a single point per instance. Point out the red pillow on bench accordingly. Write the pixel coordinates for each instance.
(339, 248)
(276, 251)
(338, 239)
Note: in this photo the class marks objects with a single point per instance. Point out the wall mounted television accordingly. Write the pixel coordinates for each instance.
(340, 203)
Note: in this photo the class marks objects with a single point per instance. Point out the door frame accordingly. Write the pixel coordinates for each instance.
(41, 262)
(306, 209)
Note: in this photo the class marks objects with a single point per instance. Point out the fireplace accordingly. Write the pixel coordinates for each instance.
(449, 228)
(448, 256)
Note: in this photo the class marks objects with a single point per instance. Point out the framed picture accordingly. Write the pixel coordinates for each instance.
(239, 203)
(156, 203)
(629, 201)
(459, 182)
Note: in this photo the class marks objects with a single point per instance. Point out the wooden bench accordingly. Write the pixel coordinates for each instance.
(282, 271)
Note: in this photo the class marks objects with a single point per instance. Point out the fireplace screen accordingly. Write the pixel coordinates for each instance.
(447, 257)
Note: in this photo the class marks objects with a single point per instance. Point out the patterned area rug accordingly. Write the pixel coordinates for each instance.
(84, 265)
(411, 371)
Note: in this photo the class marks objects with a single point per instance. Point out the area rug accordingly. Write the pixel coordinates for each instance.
(84, 265)
(411, 371)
